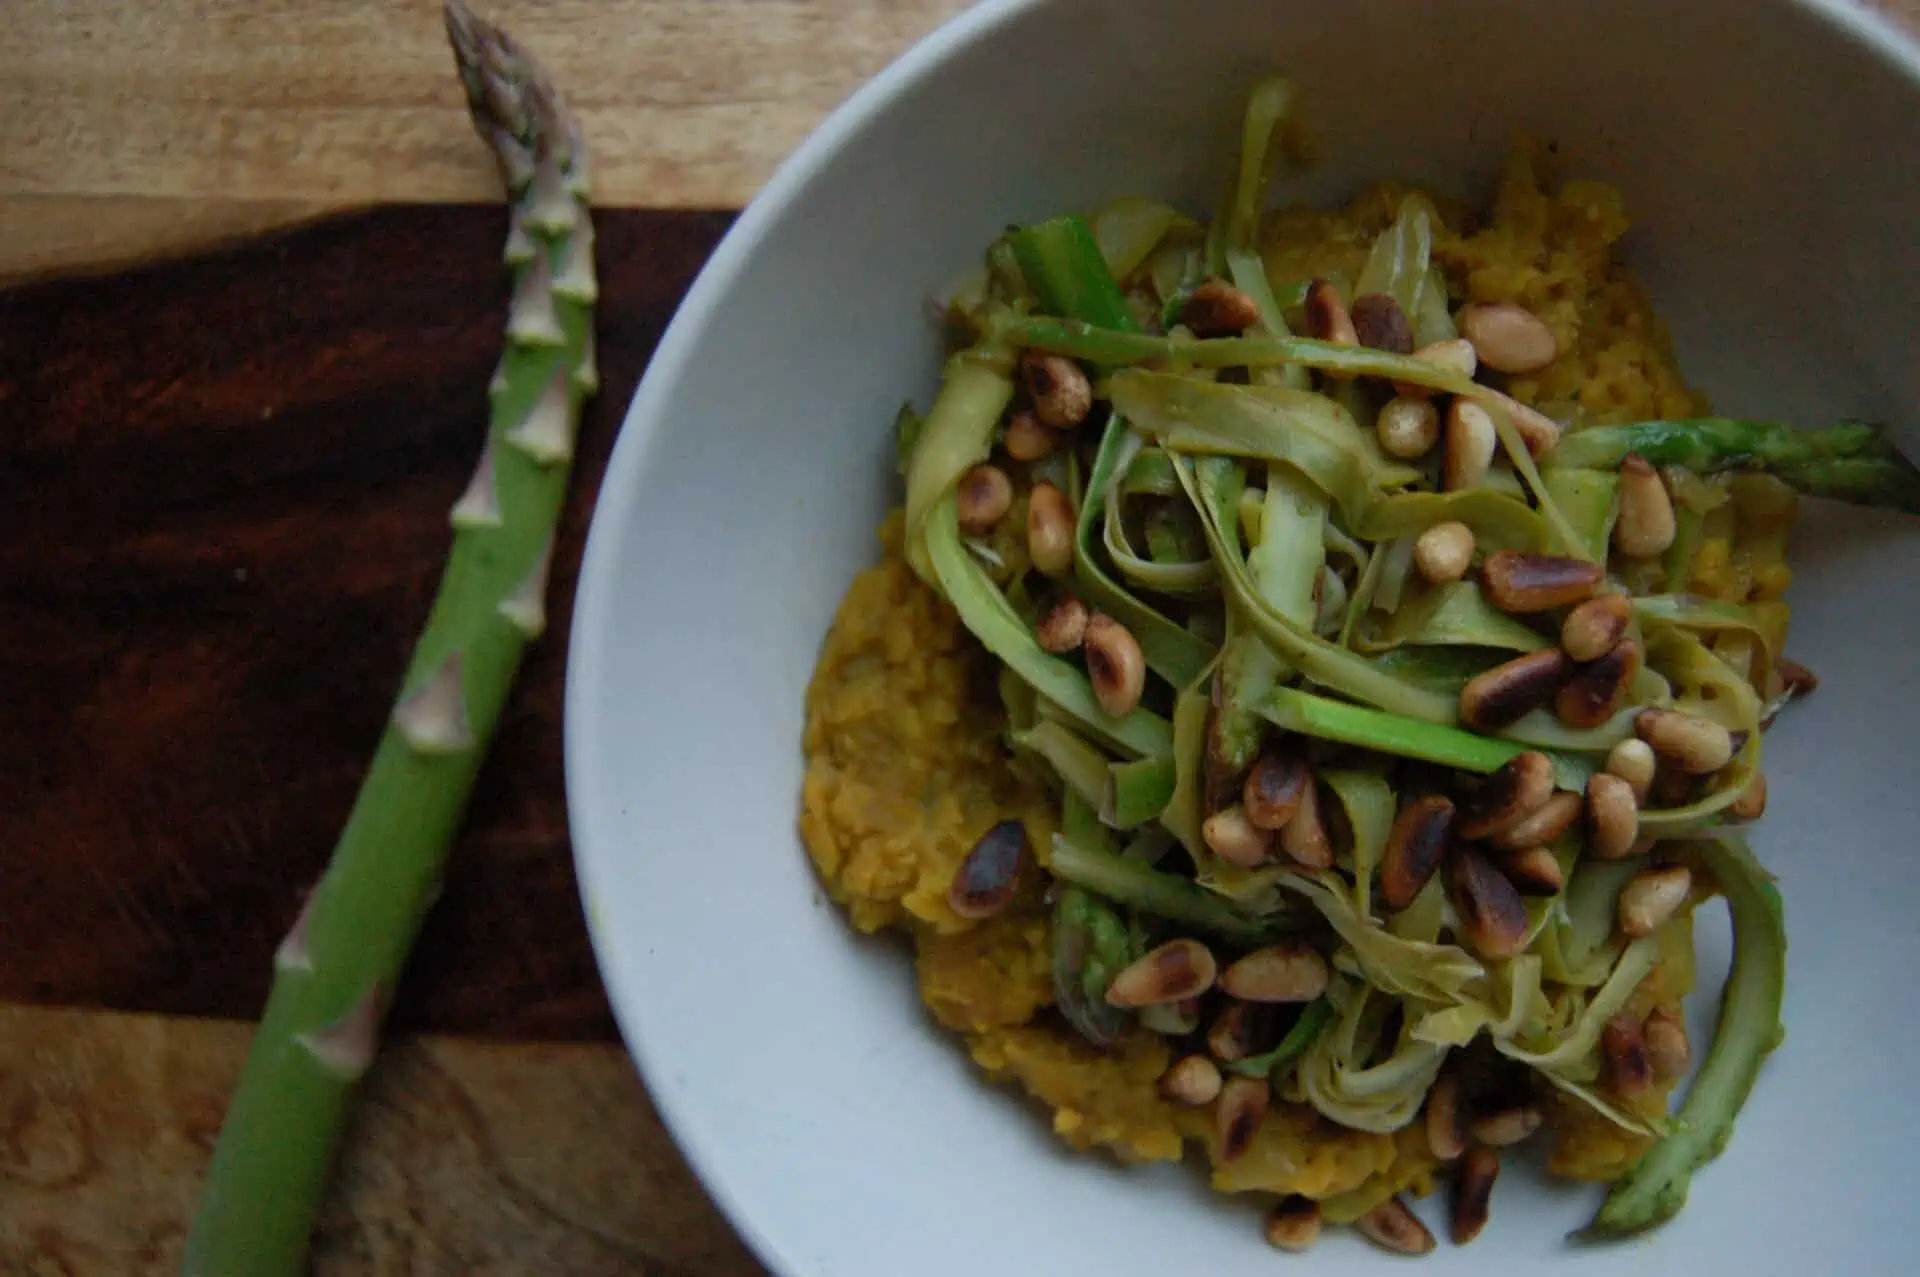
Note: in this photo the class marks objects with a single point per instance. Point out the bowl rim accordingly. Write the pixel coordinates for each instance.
(641, 427)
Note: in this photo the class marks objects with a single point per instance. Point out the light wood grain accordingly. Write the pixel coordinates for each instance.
(464, 1158)
(197, 119)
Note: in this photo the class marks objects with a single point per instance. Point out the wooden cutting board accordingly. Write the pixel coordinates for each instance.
(224, 473)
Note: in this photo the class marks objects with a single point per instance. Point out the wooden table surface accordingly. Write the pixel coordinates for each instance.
(224, 471)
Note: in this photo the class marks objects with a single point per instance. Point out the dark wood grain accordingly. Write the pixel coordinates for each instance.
(223, 497)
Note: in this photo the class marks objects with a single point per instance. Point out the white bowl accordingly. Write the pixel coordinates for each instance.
(1767, 150)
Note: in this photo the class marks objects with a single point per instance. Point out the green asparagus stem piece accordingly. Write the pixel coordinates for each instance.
(337, 968)
(1091, 942)
(1162, 895)
(1062, 261)
(1850, 462)
(1313, 1021)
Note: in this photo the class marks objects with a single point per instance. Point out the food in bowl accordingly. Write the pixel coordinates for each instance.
(1312, 749)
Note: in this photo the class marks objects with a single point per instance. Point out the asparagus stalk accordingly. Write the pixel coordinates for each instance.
(336, 970)
(1161, 895)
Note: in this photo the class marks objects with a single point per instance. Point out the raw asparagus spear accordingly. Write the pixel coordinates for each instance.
(336, 970)
(1848, 462)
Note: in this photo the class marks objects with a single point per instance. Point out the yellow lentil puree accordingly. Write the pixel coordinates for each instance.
(906, 768)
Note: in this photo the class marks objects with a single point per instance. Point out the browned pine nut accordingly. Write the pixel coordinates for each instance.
(1275, 786)
(1632, 761)
(1234, 1033)
(1535, 871)
(1693, 744)
(1519, 788)
(988, 878)
(1795, 677)
(1471, 441)
(983, 498)
(1230, 835)
(1613, 817)
(1444, 1135)
(1064, 627)
(1473, 1193)
(1115, 665)
(1327, 316)
(1454, 354)
(1294, 1225)
(1526, 583)
(1391, 1226)
(1597, 689)
(1279, 973)
(1539, 432)
(1177, 969)
(1645, 527)
(1591, 630)
(1626, 1068)
(1062, 396)
(1752, 802)
(1652, 897)
(1028, 440)
(1408, 427)
(1242, 1107)
(1507, 1127)
(1668, 1049)
(1380, 324)
(1541, 826)
(1444, 552)
(1305, 837)
(1414, 849)
(1218, 309)
(1505, 693)
(1506, 337)
(1493, 919)
(1049, 529)
(1193, 1080)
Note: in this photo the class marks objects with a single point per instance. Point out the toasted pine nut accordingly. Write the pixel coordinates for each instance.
(1668, 1049)
(1795, 677)
(1519, 788)
(983, 498)
(1546, 823)
(1391, 1226)
(1305, 837)
(1535, 871)
(1651, 897)
(1234, 1033)
(1539, 432)
(1597, 689)
(1752, 802)
(1049, 529)
(1193, 1080)
(1414, 848)
(1218, 309)
(1062, 396)
(1064, 627)
(1473, 1193)
(1242, 1107)
(1505, 693)
(1177, 969)
(1294, 1225)
(1493, 919)
(1408, 427)
(1623, 1055)
(987, 879)
(1172, 1019)
(1509, 1126)
(1454, 354)
(1444, 552)
(1444, 1135)
(1471, 441)
(1645, 527)
(1613, 817)
(1027, 439)
(1693, 744)
(1591, 630)
(1506, 337)
(1525, 583)
(1235, 839)
(1632, 761)
(1115, 665)
(1275, 785)
(1380, 324)
(1327, 316)
(1279, 973)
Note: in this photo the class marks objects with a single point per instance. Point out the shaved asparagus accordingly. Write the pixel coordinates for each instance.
(337, 968)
